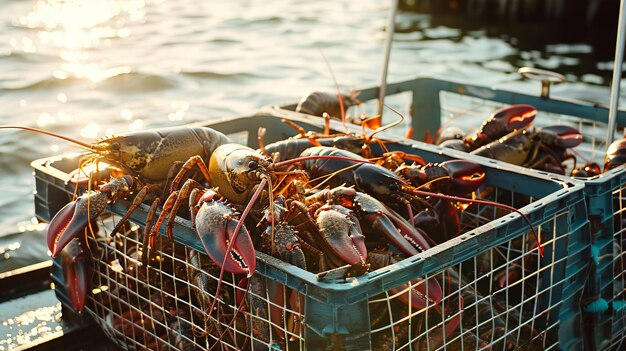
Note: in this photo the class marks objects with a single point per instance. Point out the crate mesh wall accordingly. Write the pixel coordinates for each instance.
(611, 258)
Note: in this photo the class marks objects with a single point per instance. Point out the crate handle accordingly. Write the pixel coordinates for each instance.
(545, 77)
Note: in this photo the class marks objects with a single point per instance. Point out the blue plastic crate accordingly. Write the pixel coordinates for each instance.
(430, 103)
(540, 308)
(606, 302)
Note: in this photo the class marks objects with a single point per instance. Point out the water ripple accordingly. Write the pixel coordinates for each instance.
(124, 82)
(138, 82)
(74, 64)
(217, 75)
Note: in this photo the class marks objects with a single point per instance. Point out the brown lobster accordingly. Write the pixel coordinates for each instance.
(538, 148)
(144, 161)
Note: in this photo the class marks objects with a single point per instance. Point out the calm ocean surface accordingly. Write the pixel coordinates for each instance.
(89, 68)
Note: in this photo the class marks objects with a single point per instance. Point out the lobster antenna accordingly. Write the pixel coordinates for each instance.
(378, 130)
(483, 202)
(234, 239)
(325, 157)
(343, 113)
(240, 305)
(261, 139)
(41, 131)
(330, 175)
(271, 199)
(365, 122)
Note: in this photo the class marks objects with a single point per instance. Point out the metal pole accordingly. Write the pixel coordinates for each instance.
(617, 74)
(391, 22)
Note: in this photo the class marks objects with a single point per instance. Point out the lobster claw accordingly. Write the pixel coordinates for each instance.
(515, 116)
(422, 294)
(276, 294)
(73, 218)
(407, 238)
(466, 176)
(590, 169)
(615, 154)
(561, 136)
(382, 219)
(76, 264)
(451, 134)
(501, 123)
(340, 229)
(215, 225)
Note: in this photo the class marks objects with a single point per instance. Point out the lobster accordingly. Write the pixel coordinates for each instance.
(457, 176)
(359, 144)
(240, 174)
(145, 160)
(380, 218)
(499, 124)
(586, 170)
(538, 148)
(318, 102)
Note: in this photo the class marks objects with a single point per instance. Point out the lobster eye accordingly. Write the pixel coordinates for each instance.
(115, 146)
(253, 164)
(394, 187)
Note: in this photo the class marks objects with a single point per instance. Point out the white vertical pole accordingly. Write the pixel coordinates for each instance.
(391, 22)
(617, 74)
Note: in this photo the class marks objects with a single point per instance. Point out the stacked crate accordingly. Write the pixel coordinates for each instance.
(433, 103)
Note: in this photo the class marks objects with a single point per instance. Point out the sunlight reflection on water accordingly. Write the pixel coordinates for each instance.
(88, 68)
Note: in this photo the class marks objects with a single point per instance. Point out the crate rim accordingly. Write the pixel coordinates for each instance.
(570, 106)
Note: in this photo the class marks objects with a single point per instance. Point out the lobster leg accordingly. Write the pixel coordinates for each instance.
(171, 206)
(147, 238)
(141, 195)
(184, 194)
(188, 165)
